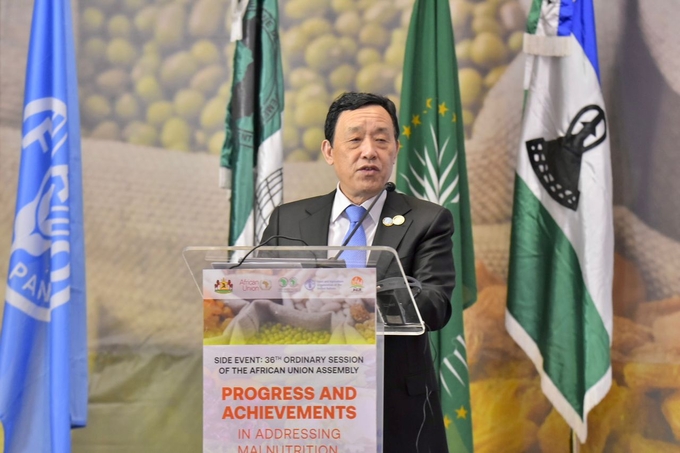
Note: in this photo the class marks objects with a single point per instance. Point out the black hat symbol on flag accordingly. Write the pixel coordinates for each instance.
(557, 163)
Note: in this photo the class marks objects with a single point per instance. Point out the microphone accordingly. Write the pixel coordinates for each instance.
(263, 243)
(389, 187)
(277, 236)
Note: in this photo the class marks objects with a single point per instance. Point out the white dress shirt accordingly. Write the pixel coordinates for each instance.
(339, 224)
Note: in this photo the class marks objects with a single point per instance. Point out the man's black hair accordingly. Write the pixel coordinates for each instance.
(353, 101)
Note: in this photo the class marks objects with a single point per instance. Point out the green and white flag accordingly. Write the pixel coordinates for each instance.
(431, 166)
(252, 155)
(562, 246)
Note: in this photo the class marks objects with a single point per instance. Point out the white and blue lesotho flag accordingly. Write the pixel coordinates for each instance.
(43, 351)
(562, 245)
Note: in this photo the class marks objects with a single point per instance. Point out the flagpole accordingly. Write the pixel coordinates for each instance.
(574, 444)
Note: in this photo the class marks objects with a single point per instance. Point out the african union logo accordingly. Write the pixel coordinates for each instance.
(265, 285)
(557, 163)
(39, 276)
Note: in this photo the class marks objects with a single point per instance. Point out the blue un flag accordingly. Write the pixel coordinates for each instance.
(43, 351)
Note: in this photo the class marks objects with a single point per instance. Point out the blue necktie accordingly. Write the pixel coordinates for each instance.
(355, 258)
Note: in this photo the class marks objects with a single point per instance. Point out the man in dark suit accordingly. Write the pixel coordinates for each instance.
(361, 144)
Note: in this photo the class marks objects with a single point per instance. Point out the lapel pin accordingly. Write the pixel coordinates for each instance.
(388, 222)
(398, 220)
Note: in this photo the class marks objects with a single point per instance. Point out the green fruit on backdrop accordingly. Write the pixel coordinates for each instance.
(167, 64)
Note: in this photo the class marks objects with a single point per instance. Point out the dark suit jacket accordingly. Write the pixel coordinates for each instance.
(412, 412)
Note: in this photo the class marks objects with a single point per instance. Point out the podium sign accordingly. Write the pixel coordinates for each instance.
(395, 303)
(290, 360)
(293, 346)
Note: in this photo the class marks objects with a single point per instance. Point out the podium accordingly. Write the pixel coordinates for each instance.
(293, 345)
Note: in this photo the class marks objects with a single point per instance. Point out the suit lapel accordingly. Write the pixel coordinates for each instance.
(314, 229)
(391, 236)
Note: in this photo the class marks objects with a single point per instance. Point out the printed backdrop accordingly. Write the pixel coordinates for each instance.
(154, 79)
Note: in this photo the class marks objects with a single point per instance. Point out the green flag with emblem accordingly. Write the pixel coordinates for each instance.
(562, 242)
(252, 155)
(431, 166)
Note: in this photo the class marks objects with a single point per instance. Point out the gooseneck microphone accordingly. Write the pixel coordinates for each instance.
(263, 243)
(389, 187)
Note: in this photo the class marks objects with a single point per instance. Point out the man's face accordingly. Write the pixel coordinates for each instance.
(363, 151)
